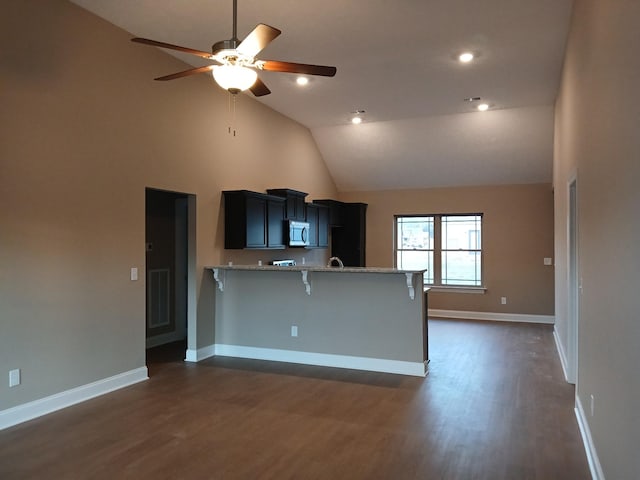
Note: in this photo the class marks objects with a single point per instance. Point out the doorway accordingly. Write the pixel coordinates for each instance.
(573, 282)
(169, 271)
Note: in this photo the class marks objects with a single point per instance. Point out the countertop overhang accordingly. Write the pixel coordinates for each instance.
(313, 268)
(305, 270)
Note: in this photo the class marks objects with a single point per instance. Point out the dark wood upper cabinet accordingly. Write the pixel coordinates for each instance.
(348, 242)
(348, 223)
(318, 219)
(253, 220)
(323, 226)
(275, 224)
(256, 221)
(335, 211)
(295, 204)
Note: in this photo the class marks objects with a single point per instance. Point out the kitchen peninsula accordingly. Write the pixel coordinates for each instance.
(361, 318)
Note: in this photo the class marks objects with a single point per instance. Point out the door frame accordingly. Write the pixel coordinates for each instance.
(186, 222)
(573, 279)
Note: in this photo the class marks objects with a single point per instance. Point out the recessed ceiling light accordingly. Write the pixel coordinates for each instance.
(465, 57)
(356, 119)
(302, 80)
(483, 107)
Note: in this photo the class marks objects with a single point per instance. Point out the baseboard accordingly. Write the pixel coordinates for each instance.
(199, 354)
(37, 408)
(589, 447)
(561, 354)
(418, 369)
(492, 316)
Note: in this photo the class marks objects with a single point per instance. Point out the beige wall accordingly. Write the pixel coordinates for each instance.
(84, 129)
(597, 116)
(518, 234)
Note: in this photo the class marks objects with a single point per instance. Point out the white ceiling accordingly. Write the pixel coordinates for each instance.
(397, 61)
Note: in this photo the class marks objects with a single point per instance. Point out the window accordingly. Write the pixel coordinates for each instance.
(449, 247)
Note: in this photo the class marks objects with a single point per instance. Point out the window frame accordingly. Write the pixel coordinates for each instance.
(437, 251)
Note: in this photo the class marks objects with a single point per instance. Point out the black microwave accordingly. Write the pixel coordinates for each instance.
(297, 233)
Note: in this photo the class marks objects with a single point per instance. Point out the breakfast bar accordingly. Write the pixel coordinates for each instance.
(360, 318)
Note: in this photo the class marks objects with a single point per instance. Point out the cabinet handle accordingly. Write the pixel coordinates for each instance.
(303, 234)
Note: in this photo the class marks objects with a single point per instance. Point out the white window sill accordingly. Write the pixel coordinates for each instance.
(452, 289)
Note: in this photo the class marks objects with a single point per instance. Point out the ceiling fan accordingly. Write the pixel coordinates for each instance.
(236, 65)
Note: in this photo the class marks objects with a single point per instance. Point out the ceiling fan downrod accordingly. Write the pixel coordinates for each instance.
(234, 35)
(233, 42)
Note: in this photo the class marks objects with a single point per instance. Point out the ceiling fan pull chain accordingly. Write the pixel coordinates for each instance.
(231, 115)
(234, 113)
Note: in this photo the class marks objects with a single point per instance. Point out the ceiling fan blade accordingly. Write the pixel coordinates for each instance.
(259, 89)
(288, 67)
(155, 43)
(191, 71)
(257, 40)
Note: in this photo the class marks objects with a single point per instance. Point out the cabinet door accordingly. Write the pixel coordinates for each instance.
(312, 220)
(299, 208)
(335, 210)
(323, 227)
(256, 222)
(275, 222)
(295, 207)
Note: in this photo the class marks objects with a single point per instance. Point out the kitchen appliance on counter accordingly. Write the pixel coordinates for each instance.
(283, 263)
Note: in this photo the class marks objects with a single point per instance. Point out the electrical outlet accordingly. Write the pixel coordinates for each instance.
(14, 377)
(503, 300)
(294, 330)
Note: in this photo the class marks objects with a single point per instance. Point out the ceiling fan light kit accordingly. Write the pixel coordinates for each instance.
(234, 78)
(236, 61)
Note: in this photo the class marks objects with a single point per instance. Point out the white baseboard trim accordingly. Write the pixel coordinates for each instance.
(589, 447)
(561, 354)
(492, 316)
(200, 354)
(37, 408)
(418, 369)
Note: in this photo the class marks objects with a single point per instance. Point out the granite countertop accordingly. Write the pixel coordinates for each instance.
(313, 268)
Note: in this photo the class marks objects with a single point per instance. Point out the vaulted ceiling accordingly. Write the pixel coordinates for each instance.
(398, 62)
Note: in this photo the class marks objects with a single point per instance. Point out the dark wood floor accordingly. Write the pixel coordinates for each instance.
(494, 406)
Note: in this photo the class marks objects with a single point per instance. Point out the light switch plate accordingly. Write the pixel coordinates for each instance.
(134, 274)
(548, 261)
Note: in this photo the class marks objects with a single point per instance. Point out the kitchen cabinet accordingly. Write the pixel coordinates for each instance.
(348, 224)
(335, 210)
(253, 220)
(295, 205)
(348, 242)
(275, 225)
(318, 219)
